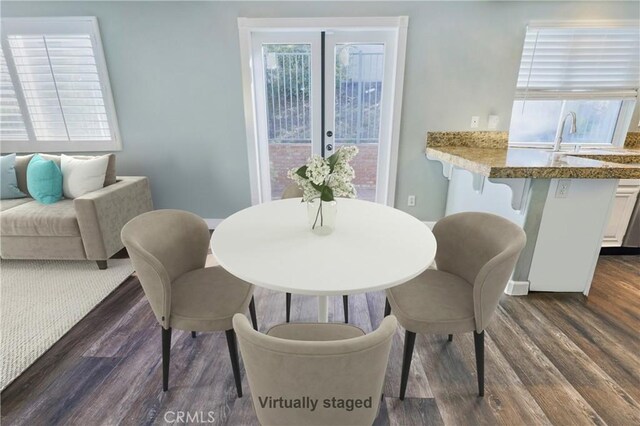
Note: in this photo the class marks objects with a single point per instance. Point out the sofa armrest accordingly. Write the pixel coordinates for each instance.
(102, 214)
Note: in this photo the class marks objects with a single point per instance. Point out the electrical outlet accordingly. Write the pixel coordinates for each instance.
(475, 122)
(411, 201)
(492, 123)
(562, 191)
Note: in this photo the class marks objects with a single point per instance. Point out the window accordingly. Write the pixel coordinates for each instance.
(55, 92)
(589, 68)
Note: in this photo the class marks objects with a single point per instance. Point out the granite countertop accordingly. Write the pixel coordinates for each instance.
(491, 157)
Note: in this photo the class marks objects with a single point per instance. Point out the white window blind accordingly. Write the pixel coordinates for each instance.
(580, 60)
(59, 69)
(12, 125)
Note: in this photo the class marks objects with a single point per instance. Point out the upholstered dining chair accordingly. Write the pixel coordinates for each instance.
(168, 249)
(476, 255)
(294, 191)
(336, 365)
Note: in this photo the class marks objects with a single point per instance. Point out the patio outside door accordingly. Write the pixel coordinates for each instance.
(316, 91)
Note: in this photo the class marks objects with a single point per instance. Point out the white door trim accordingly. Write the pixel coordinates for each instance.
(247, 26)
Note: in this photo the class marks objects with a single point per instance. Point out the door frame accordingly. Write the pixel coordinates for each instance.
(247, 27)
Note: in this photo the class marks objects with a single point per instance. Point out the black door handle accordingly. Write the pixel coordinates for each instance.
(329, 147)
(329, 133)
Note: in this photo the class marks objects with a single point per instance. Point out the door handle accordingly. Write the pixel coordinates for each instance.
(329, 133)
(329, 147)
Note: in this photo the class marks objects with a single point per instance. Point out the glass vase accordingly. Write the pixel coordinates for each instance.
(322, 216)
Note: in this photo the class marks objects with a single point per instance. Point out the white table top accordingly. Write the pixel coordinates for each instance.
(373, 247)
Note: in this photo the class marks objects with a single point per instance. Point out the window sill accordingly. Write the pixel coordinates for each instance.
(60, 146)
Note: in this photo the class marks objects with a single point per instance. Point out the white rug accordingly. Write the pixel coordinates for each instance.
(41, 300)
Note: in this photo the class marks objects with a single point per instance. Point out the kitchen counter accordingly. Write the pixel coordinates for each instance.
(541, 164)
(563, 200)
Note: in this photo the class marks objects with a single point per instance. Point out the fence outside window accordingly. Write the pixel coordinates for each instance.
(358, 91)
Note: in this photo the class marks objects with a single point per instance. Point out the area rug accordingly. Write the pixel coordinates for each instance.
(41, 300)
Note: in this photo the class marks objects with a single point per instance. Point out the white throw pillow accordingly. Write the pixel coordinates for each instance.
(80, 176)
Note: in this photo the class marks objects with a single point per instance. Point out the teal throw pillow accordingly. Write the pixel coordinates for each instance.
(44, 180)
(8, 180)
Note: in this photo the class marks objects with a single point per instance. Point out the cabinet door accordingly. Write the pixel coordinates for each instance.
(625, 200)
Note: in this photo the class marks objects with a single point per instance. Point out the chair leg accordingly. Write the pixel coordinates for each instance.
(288, 306)
(235, 361)
(345, 304)
(409, 341)
(193, 334)
(102, 264)
(478, 340)
(450, 338)
(252, 312)
(166, 354)
(387, 308)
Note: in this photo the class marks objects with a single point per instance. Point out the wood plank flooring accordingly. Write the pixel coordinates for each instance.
(550, 359)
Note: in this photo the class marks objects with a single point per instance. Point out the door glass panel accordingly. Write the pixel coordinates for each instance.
(358, 96)
(287, 76)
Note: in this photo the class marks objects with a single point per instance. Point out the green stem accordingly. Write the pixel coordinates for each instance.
(316, 221)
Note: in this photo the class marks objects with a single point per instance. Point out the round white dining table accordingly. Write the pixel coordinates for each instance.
(373, 247)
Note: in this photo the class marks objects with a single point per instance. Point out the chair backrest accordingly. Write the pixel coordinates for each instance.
(483, 249)
(343, 377)
(292, 191)
(162, 245)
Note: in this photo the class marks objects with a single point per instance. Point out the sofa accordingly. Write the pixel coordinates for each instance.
(84, 228)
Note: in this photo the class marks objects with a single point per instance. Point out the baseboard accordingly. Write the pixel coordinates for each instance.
(212, 223)
(619, 251)
(517, 288)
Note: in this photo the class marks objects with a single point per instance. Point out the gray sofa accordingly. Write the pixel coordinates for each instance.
(85, 228)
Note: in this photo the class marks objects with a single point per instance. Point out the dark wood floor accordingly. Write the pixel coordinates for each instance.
(551, 359)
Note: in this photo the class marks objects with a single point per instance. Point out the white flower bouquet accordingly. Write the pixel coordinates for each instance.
(324, 179)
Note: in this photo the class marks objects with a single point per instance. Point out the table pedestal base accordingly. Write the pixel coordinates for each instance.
(323, 309)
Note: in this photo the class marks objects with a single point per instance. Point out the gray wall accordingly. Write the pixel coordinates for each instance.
(176, 80)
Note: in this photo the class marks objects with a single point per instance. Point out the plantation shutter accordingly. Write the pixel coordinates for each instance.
(580, 60)
(60, 78)
(61, 86)
(11, 121)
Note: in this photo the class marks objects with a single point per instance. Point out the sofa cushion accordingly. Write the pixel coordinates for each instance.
(35, 219)
(44, 180)
(8, 179)
(22, 161)
(82, 176)
(9, 204)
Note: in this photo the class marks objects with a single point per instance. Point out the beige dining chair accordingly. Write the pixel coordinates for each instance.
(169, 249)
(476, 255)
(294, 191)
(336, 365)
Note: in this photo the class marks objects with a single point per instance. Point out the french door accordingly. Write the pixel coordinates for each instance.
(317, 91)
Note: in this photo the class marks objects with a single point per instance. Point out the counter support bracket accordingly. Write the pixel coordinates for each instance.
(447, 168)
(520, 189)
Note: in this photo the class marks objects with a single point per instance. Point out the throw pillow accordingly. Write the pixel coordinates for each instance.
(44, 180)
(80, 176)
(8, 178)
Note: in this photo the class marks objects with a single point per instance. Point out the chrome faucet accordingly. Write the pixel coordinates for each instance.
(560, 131)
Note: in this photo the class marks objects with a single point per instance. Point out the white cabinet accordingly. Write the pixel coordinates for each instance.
(625, 200)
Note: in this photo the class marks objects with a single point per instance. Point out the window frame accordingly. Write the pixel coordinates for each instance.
(627, 107)
(60, 25)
